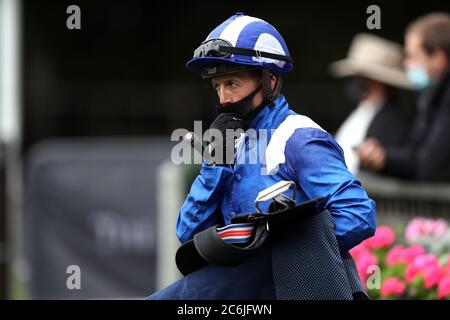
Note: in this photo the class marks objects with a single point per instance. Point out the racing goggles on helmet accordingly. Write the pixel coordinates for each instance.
(221, 48)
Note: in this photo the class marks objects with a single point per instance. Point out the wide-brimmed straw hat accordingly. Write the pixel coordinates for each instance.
(375, 58)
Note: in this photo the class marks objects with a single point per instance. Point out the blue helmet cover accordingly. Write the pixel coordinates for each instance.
(247, 32)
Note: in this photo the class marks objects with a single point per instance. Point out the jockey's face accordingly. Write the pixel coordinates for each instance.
(234, 87)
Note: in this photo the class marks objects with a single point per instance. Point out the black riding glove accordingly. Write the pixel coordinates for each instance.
(221, 136)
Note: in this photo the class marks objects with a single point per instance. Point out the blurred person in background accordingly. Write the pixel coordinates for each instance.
(426, 153)
(245, 58)
(373, 73)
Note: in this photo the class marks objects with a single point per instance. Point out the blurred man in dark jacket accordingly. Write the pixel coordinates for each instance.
(426, 155)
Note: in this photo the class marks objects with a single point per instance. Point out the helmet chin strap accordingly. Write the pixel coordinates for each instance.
(241, 107)
(244, 107)
(267, 87)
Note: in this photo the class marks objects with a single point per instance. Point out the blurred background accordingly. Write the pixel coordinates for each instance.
(86, 117)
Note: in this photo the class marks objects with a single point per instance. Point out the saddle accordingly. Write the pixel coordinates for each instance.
(306, 261)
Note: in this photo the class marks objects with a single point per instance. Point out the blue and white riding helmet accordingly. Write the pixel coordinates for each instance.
(241, 42)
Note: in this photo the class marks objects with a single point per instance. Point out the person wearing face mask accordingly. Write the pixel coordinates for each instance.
(373, 73)
(245, 58)
(426, 153)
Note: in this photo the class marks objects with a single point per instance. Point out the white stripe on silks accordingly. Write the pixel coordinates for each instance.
(243, 226)
(276, 147)
(236, 238)
(233, 30)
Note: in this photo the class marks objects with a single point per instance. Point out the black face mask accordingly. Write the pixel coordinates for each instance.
(243, 107)
(355, 89)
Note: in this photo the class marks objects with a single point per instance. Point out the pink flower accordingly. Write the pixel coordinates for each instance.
(395, 255)
(439, 228)
(426, 260)
(420, 227)
(364, 261)
(433, 275)
(384, 237)
(358, 250)
(399, 254)
(410, 253)
(392, 286)
(422, 265)
(414, 229)
(444, 288)
(411, 273)
(447, 266)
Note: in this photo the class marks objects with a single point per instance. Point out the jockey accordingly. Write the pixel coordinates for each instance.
(245, 59)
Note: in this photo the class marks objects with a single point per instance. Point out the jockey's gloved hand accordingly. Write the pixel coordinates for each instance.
(221, 136)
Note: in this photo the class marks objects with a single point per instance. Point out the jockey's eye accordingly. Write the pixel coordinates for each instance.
(232, 84)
